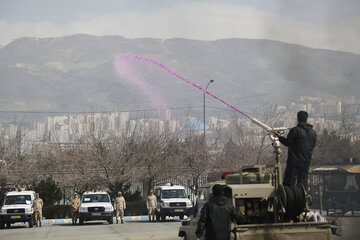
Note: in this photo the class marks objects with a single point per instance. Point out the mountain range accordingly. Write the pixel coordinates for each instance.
(77, 73)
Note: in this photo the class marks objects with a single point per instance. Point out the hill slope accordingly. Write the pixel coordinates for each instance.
(76, 73)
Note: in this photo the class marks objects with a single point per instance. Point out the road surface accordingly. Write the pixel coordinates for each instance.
(131, 230)
(134, 230)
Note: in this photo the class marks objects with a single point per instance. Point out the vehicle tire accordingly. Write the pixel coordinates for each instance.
(81, 221)
(31, 222)
(181, 217)
(157, 216)
(163, 217)
(111, 220)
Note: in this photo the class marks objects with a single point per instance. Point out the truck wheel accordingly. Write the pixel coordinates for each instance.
(157, 216)
(31, 222)
(81, 221)
(111, 220)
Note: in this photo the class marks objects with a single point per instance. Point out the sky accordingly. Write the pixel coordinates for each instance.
(325, 24)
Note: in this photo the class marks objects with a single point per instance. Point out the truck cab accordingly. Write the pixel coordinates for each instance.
(96, 206)
(17, 207)
(172, 201)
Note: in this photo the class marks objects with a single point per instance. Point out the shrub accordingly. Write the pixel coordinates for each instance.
(48, 191)
(56, 211)
(136, 208)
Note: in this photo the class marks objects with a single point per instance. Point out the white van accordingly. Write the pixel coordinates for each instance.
(172, 201)
(17, 207)
(96, 206)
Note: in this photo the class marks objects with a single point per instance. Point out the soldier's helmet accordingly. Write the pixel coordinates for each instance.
(119, 193)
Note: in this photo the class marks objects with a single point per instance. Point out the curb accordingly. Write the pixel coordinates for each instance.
(68, 220)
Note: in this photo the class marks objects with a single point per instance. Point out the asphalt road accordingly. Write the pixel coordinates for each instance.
(350, 228)
(132, 230)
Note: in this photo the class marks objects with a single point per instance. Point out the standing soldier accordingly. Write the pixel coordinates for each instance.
(37, 205)
(151, 205)
(120, 206)
(75, 204)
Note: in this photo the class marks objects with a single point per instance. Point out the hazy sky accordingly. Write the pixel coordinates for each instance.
(329, 24)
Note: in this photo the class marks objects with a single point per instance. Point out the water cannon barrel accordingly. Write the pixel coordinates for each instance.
(281, 129)
(260, 124)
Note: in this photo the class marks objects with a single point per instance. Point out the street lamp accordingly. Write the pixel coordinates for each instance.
(211, 81)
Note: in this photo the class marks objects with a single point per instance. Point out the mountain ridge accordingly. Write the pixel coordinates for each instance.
(76, 72)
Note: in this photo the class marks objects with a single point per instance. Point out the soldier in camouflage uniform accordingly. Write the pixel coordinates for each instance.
(151, 202)
(120, 206)
(37, 205)
(75, 204)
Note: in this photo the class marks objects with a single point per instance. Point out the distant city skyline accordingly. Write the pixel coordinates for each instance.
(325, 24)
(67, 128)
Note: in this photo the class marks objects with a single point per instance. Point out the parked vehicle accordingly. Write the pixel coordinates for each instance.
(172, 201)
(96, 206)
(336, 188)
(17, 207)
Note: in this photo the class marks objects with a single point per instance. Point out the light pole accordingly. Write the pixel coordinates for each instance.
(211, 81)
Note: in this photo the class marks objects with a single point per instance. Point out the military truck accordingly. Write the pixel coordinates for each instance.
(272, 211)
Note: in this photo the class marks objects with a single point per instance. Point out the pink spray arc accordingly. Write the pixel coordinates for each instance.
(122, 67)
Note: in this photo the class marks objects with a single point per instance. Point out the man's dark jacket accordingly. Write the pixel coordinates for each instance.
(215, 219)
(300, 141)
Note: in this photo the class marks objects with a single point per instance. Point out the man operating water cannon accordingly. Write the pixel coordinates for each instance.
(301, 141)
(292, 200)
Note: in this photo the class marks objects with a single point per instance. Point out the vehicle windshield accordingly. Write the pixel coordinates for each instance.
(95, 198)
(17, 199)
(175, 193)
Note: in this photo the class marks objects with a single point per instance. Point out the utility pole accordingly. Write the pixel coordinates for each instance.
(211, 81)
